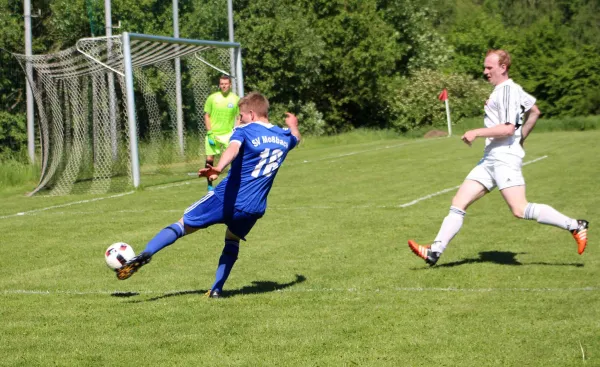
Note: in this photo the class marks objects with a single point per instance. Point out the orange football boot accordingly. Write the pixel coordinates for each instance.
(580, 235)
(424, 252)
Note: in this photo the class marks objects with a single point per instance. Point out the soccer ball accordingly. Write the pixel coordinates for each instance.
(118, 254)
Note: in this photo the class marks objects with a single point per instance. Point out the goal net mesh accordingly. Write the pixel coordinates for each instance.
(82, 112)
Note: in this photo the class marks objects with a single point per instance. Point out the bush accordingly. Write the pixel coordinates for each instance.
(310, 120)
(413, 102)
(568, 124)
(13, 133)
(577, 123)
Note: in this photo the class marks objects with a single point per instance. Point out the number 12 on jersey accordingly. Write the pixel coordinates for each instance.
(273, 157)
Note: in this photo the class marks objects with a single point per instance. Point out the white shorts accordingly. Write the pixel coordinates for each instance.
(491, 173)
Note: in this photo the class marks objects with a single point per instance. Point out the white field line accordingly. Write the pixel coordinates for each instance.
(410, 203)
(110, 212)
(161, 187)
(66, 205)
(535, 160)
(332, 157)
(362, 151)
(311, 290)
(165, 186)
(168, 186)
(285, 208)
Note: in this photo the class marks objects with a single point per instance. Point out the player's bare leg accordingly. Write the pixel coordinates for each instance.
(469, 192)
(545, 214)
(516, 200)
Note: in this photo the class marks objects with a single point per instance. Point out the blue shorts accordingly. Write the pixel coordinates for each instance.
(210, 210)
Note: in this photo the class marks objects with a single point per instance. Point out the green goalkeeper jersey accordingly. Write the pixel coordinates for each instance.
(223, 111)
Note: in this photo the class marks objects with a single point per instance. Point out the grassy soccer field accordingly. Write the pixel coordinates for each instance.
(326, 277)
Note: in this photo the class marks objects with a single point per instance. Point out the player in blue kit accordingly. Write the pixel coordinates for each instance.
(256, 151)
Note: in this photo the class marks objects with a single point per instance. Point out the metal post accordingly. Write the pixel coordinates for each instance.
(239, 73)
(29, 70)
(112, 105)
(133, 144)
(448, 118)
(232, 66)
(178, 81)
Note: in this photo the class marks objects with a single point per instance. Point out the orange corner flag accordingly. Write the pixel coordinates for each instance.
(444, 95)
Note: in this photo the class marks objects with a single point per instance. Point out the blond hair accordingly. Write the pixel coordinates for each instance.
(503, 57)
(255, 102)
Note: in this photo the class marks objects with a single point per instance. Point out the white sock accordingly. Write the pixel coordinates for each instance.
(546, 214)
(450, 227)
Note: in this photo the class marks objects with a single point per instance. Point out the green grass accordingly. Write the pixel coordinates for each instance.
(15, 175)
(352, 137)
(326, 278)
(161, 164)
(578, 123)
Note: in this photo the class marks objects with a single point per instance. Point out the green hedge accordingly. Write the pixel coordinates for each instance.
(413, 102)
(551, 124)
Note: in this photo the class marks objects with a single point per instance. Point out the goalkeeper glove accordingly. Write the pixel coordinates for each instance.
(211, 138)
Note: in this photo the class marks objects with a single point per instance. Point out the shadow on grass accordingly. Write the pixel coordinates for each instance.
(501, 258)
(259, 286)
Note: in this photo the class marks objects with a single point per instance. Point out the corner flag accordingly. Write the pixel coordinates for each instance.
(444, 97)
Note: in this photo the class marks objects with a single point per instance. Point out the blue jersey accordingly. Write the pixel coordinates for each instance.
(263, 148)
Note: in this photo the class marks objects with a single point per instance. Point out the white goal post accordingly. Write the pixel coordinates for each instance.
(129, 62)
(110, 114)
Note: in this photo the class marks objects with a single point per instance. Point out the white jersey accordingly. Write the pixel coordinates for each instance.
(507, 104)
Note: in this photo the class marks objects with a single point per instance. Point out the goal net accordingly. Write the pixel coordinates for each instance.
(119, 112)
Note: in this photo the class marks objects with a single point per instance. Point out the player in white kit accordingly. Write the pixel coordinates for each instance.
(501, 163)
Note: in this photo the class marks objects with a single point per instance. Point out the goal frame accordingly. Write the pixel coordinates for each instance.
(102, 61)
(129, 82)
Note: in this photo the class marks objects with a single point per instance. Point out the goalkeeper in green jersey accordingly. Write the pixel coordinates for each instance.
(221, 114)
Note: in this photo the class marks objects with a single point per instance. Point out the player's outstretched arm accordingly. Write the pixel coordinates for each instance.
(228, 155)
(226, 158)
(532, 116)
(498, 131)
(292, 123)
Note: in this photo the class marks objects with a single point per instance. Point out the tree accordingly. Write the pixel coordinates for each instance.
(471, 32)
(414, 104)
(335, 54)
(416, 25)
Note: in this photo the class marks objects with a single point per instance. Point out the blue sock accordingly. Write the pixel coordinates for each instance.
(164, 238)
(226, 261)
